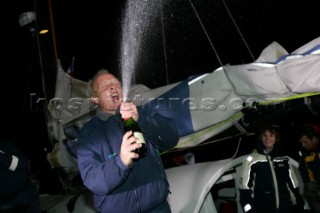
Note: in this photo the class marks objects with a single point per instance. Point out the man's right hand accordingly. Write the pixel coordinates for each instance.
(129, 143)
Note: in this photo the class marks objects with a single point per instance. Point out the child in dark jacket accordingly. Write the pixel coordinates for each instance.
(268, 180)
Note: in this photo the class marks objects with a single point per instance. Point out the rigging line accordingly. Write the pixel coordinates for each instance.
(237, 150)
(46, 114)
(42, 70)
(205, 32)
(164, 42)
(41, 62)
(53, 32)
(40, 58)
(235, 24)
(27, 88)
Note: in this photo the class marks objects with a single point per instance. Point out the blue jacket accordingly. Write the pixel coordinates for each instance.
(140, 188)
(13, 170)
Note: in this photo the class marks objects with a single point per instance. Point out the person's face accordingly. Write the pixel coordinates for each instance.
(268, 140)
(109, 92)
(308, 143)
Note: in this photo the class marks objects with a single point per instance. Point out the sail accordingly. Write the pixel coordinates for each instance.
(202, 105)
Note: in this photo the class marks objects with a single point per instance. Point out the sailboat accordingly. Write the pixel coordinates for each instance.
(276, 80)
(204, 106)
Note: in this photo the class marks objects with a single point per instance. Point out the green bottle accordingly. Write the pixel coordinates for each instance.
(131, 125)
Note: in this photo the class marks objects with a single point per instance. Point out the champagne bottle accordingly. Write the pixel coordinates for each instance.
(131, 125)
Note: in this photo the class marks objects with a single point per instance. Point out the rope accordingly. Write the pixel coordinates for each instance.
(206, 33)
(164, 44)
(235, 24)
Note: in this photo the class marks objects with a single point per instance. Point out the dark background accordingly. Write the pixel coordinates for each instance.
(230, 32)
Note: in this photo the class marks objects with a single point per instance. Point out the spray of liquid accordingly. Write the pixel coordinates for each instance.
(136, 25)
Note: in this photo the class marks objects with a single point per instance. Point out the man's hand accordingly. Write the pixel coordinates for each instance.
(129, 143)
(128, 109)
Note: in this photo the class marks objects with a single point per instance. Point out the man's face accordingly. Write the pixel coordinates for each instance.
(109, 92)
(308, 143)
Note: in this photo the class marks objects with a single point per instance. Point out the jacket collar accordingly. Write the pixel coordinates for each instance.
(104, 115)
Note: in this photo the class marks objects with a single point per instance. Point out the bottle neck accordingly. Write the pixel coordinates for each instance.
(124, 119)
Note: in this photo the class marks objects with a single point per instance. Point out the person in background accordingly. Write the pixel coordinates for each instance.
(121, 180)
(309, 164)
(267, 179)
(17, 193)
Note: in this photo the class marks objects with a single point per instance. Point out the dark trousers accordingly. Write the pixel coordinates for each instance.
(26, 201)
(312, 195)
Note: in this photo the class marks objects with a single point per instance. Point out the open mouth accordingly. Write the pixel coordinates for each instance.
(115, 97)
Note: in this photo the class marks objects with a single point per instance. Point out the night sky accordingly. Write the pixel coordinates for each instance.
(193, 37)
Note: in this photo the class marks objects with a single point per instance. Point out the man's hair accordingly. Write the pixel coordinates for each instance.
(309, 130)
(97, 75)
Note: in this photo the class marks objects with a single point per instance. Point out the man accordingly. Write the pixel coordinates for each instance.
(121, 180)
(309, 164)
(17, 193)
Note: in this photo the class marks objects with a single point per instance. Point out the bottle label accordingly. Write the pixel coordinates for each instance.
(139, 136)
